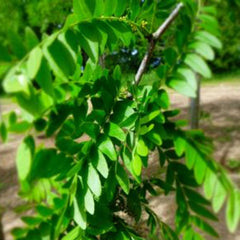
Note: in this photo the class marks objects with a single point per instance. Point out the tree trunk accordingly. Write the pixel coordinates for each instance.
(1, 228)
(194, 108)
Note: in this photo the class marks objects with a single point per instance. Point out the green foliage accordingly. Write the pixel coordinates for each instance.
(228, 13)
(104, 132)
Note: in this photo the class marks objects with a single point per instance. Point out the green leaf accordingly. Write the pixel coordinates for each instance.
(233, 211)
(121, 6)
(203, 225)
(188, 234)
(195, 196)
(89, 202)
(122, 178)
(91, 129)
(122, 31)
(73, 234)
(19, 232)
(68, 145)
(136, 165)
(5, 55)
(24, 158)
(209, 183)
(79, 215)
(69, 40)
(106, 146)
(40, 124)
(56, 164)
(44, 211)
(134, 9)
(90, 38)
(190, 76)
(163, 99)
(31, 38)
(145, 129)
(12, 118)
(56, 119)
(44, 78)
(200, 169)
(19, 127)
(115, 131)
(59, 59)
(110, 7)
(202, 211)
(93, 181)
(209, 39)
(150, 117)
(16, 44)
(210, 21)
(100, 163)
(99, 8)
(170, 55)
(31, 221)
(112, 37)
(219, 196)
(33, 234)
(197, 236)
(142, 148)
(191, 156)
(180, 144)
(134, 204)
(181, 86)
(203, 49)
(16, 82)
(3, 132)
(197, 64)
(84, 8)
(122, 110)
(130, 121)
(155, 137)
(34, 62)
(35, 104)
(117, 73)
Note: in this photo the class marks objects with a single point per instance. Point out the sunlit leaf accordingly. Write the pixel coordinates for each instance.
(136, 165)
(100, 164)
(233, 211)
(181, 86)
(89, 202)
(93, 181)
(106, 147)
(24, 158)
(142, 148)
(115, 131)
(203, 49)
(219, 196)
(79, 215)
(209, 39)
(34, 62)
(197, 64)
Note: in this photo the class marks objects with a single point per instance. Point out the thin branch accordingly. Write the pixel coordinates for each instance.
(153, 40)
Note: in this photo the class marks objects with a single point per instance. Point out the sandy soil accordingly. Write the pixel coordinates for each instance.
(220, 106)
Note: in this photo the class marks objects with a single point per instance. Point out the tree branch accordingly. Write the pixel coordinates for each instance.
(153, 40)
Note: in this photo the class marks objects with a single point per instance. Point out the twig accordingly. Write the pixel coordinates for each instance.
(153, 40)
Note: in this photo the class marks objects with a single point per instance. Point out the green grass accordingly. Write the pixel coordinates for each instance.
(231, 78)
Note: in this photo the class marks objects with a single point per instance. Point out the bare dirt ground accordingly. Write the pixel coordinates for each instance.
(220, 106)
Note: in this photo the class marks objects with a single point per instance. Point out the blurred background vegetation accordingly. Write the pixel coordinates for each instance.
(46, 16)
